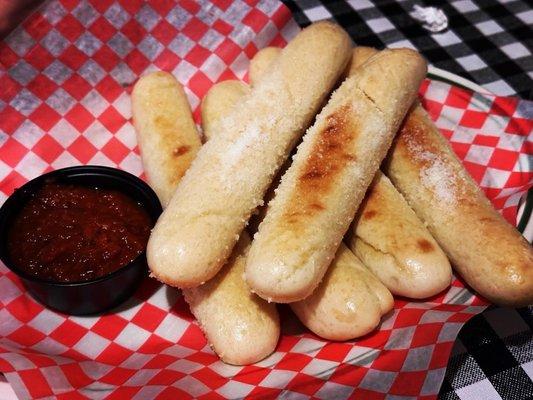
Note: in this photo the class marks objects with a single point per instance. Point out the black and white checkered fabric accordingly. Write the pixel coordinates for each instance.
(492, 358)
(490, 43)
(487, 41)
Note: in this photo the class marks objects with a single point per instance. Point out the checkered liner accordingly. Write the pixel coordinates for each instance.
(486, 40)
(66, 76)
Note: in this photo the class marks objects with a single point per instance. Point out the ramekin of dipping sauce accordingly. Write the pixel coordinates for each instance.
(77, 236)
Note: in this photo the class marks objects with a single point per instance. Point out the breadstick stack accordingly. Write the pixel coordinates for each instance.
(395, 245)
(350, 301)
(241, 327)
(319, 195)
(231, 173)
(400, 221)
(386, 234)
(483, 247)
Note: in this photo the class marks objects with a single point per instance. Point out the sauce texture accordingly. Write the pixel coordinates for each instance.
(72, 233)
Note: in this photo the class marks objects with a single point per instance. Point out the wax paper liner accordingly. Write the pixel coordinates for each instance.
(65, 80)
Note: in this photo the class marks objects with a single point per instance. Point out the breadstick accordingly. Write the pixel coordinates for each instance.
(333, 167)
(390, 239)
(218, 102)
(216, 105)
(349, 301)
(360, 55)
(394, 244)
(241, 327)
(166, 133)
(488, 252)
(233, 170)
(262, 62)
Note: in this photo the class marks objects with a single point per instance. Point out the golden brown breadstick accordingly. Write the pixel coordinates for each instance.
(241, 327)
(333, 167)
(218, 102)
(348, 303)
(486, 250)
(262, 62)
(390, 239)
(233, 170)
(165, 129)
(395, 245)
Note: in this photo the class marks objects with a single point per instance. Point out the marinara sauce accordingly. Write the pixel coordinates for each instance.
(72, 233)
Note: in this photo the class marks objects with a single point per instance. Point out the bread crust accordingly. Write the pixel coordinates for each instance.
(348, 303)
(486, 250)
(360, 55)
(395, 245)
(218, 102)
(388, 236)
(261, 63)
(166, 132)
(319, 195)
(197, 231)
(344, 304)
(241, 327)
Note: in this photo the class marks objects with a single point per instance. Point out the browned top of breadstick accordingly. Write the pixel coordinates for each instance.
(489, 253)
(318, 173)
(165, 129)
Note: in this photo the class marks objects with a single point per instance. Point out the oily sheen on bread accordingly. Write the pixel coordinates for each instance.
(319, 194)
(486, 250)
(348, 303)
(166, 133)
(195, 234)
(395, 245)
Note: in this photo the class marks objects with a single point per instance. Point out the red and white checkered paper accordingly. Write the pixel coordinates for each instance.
(65, 79)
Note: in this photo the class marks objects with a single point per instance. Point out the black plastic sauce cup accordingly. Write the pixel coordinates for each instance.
(97, 295)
